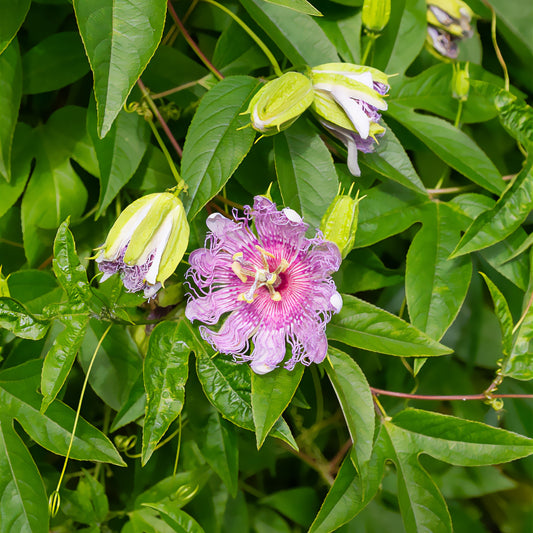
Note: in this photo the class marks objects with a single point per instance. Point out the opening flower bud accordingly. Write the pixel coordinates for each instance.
(339, 223)
(348, 99)
(146, 243)
(448, 24)
(280, 102)
(376, 14)
(460, 82)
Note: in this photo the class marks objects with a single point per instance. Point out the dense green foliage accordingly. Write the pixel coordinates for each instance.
(104, 101)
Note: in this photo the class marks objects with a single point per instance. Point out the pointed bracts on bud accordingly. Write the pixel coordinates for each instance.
(339, 223)
(280, 102)
(460, 82)
(376, 14)
(146, 243)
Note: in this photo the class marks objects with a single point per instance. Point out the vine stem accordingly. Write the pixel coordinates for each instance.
(495, 44)
(458, 397)
(160, 119)
(252, 34)
(54, 497)
(371, 40)
(192, 44)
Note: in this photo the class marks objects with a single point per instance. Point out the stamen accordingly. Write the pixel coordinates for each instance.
(237, 269)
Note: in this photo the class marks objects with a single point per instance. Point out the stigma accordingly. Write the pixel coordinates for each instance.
(262, 277)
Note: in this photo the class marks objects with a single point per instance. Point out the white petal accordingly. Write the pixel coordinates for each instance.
(292, 215)
(261, 368)
(158, 243)
(363, 77)
(336, 302)
(355, 113)
(353, 166)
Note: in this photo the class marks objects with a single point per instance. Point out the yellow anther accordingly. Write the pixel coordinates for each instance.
(276, 296)
(264, 252)
(237, 255)
(237, 269)
(243, 298)
(272, 279)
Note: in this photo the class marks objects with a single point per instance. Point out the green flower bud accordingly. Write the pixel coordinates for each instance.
(280, 102)
(376, 14)
(146, 243)
(454, 16)
(460, 82)
(339, 224)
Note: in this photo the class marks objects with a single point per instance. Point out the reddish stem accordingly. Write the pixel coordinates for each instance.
(160, 119)
(463, 397)
(192, 44)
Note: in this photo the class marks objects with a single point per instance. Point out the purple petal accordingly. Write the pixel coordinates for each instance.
(269, 350)
(212, 306)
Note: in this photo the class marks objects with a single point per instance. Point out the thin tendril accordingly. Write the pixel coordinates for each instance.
(54, 500)
(178, 448)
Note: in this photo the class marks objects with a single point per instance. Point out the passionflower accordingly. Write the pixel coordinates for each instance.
(280, 102)
(348, 100)
(448, 24)
(274, 285)
(146, 243)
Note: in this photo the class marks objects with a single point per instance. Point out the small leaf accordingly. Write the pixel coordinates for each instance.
(510, 211)
(165, 373)
(302, 6)
(67, 267)
(215, 146)
(501, 308)
(452, 145)
(299, 504)
(120, 37)
(57, 61)
(298, 36)
(271, 394)
(365, 326)
(15, 318)
(306, 174)
(23, 506)
(179, 520)
(60, 358)
(10, 96)
(353, 392)
(12, 15)
(116, 163)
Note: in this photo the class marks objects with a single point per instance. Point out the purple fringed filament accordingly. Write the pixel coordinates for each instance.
(276, 286)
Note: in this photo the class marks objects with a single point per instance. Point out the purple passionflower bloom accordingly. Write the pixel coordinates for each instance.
(275, 284)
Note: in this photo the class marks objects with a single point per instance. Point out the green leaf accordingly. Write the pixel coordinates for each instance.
(299, 504)
(460, 442)
(57, 61)
(116, 164)
(227, 385)
(10, 96)
(69, 271)
(387, 210)
(53, 429)
(422, 506)
(351, 492)
(214, 146)
(298, 36)
(306, 174)
(271, 394)
(344, 33)
(302, 6)
(134, 406)
(355, 398)
(23, 506)
(120, 37)
(452, 145)
(402, 38)
(179, 520)
(15, 318)
(365, 326)
(391, 160)
(509, 212)
(60, 358)
(12, 15)
(501, 308)
(165, 373)
(435, 286)
(21, 157)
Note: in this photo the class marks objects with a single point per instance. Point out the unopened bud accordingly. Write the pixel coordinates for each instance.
(339, 224)
(376, 14)
(280, 102)
(460, 82)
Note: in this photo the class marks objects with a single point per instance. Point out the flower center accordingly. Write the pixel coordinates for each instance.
(262, 276)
